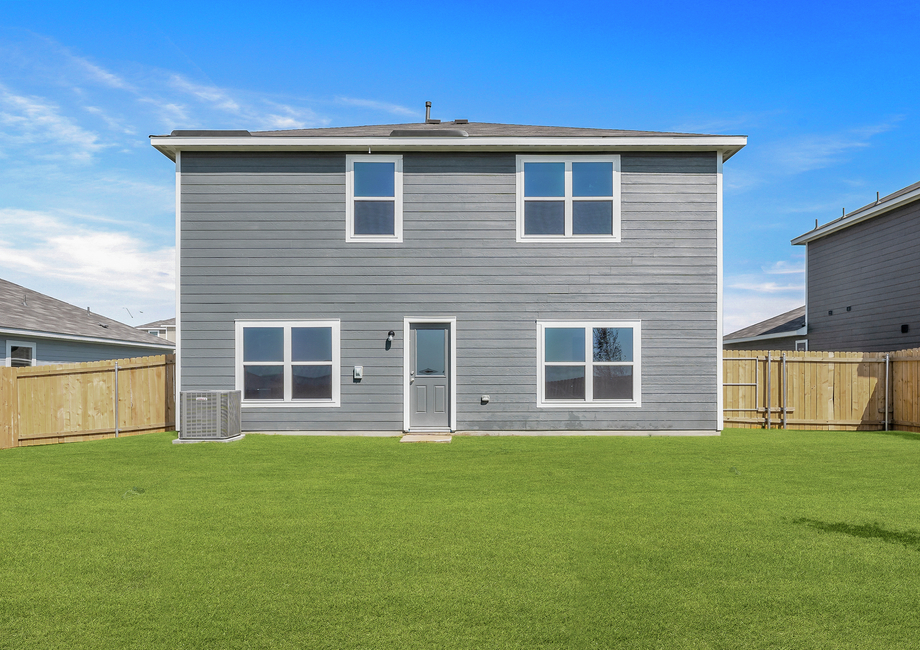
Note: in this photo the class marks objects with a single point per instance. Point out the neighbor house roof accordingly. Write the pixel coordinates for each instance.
(437, 136)
(791, 323)
(879, 207)
(169, 322)
(24, 312)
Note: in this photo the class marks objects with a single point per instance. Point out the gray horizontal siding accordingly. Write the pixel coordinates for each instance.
(263, 237)
(873, 268)
(52, 351)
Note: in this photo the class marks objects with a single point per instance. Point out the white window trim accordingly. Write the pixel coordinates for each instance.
(568, 237)
(20, 344)
(288, 402)
(350, 236)
(805, 341)
(636, 364)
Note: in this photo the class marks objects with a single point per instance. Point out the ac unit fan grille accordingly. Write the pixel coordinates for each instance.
(210, 414)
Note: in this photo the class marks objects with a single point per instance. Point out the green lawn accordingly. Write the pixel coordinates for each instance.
(749, 540)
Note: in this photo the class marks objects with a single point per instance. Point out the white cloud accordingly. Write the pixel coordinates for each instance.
(34, 120)
(287, 117)
(55, 249)
(112, 123)
(396, 109)
(100, 75)
(784, 267)
(753, 297)
(808, 152)
(216, 97)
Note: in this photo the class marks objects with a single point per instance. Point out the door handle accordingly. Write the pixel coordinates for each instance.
(411, 376)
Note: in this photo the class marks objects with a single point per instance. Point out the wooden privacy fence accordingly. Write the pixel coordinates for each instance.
(822, 390)
(86, 401)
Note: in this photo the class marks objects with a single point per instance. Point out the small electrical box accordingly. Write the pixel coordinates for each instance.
(359, 372)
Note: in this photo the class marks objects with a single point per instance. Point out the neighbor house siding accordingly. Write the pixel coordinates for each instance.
(54, 351)
(263, 236)
(871, 267)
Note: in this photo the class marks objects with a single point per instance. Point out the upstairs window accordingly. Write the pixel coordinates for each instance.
(568, 198)
(374, 198)
(589, 363)
(288, 362)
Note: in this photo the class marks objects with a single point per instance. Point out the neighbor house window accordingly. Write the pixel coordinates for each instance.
(19, 354)
(595, 363)
(373, 211)
(801, 345)
(288, 362)
(571, 198)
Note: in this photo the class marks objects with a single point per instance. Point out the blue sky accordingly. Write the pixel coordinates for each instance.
(828, 97)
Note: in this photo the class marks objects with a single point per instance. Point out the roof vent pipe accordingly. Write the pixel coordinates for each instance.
(428, 119)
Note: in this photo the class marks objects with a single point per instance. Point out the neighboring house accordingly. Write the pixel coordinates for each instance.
(783, 332)
(165, 329)
(36, 329)
(459, 276)
(863, 277)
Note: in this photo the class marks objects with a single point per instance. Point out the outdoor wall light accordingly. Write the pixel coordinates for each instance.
(390, 335)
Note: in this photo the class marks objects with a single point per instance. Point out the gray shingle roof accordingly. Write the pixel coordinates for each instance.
(788, 322)
(24, 309)
(169, 322)
(472, 128)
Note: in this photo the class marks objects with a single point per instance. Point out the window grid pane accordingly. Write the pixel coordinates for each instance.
(311, 344)
(592, 179)
(544, 217)
(544, 179)
(263, 344)
(375, 218)
(564, 344)
(565, 382)
(376, 179)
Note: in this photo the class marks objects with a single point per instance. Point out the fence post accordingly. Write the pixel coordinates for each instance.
(784, 390)
(886, 391)
(116, 399)
(769, 425)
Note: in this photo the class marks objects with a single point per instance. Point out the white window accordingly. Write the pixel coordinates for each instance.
(288, 363)
(570, 198)
(801, 345)
(589, 363)
(373, 209)
(19, 354)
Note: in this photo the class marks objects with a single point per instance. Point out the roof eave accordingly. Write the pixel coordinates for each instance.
(802, 331)
(728, 145)
(857, 217)
(25, 333)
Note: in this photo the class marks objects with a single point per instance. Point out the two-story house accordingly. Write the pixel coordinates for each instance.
(862, 277)
(459, 276)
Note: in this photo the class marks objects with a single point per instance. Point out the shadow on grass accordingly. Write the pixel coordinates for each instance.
(906, 435)
(910, 539)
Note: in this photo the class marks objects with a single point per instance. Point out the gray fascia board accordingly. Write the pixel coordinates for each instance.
(82, 339)
(728, 145)
(855, 218)
(802, 331)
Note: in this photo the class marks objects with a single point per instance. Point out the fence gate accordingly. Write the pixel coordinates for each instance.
(807, 390)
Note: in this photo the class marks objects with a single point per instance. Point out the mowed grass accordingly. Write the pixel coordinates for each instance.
(749, 540)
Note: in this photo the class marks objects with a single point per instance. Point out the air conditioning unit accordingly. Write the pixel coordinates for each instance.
(209, 414)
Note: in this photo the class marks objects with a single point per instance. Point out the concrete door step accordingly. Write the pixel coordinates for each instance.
(426, 437)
